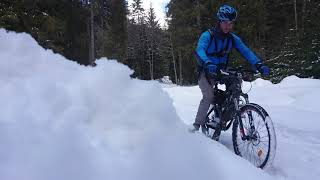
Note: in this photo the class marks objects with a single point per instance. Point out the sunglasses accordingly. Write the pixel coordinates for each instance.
(229, 23)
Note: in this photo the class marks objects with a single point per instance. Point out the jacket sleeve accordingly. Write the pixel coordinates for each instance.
(202, 46)
(244, 50)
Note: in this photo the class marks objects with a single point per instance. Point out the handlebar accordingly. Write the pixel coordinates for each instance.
(244, 73)
(234, 71)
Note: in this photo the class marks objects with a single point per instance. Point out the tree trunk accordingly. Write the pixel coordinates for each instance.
(152, 69)
(151, 65)
(198, 15)
(303, 17)
(180, 67)
(91, 60)
(173, 60)
(152, 46)
(295, 15)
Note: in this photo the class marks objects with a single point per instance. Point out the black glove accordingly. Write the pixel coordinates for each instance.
(263, 69)
(211, 69)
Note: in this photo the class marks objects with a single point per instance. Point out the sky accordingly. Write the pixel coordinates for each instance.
(159, 7)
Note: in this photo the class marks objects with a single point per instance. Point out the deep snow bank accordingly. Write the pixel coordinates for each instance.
(60, 120)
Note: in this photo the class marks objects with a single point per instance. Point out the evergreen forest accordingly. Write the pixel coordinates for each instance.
(285, 34)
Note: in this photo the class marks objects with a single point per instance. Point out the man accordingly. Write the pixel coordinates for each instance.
(212, 52)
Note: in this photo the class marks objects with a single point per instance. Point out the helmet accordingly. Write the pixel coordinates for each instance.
(226, 13)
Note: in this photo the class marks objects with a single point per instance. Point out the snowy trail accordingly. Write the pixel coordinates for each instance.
(298, 151)
(295, 113)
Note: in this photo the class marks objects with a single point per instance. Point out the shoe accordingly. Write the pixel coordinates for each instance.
(194, 128)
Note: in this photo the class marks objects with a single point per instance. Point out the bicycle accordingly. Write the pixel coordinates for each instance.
(253, 133)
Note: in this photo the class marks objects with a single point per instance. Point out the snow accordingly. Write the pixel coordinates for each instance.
(293, 106)
(61, 120)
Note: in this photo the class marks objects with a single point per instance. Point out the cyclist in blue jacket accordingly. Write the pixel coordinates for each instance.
(212, 53)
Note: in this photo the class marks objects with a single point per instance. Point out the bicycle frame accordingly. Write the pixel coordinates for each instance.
(230, 104)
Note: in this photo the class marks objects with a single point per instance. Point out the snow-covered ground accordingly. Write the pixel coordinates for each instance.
(293, 106)
(60, 120)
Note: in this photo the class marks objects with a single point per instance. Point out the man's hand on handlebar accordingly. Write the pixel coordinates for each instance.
(263, 69)
(211, 70)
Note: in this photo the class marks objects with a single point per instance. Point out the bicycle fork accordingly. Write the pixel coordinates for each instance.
(244, 136)
(242, 132)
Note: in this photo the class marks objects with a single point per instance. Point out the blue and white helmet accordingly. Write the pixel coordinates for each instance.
(226, 13)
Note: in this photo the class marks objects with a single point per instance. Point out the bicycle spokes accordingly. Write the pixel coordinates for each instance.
(252, 138)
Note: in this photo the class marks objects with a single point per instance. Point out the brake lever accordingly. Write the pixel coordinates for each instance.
(224, 72)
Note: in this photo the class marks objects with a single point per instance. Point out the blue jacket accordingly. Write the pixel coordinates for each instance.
(220, 46)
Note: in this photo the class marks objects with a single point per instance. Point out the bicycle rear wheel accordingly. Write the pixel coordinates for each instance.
(259, 144)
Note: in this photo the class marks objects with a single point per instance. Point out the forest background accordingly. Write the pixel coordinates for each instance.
(285, 34)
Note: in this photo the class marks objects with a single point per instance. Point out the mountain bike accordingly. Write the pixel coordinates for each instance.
(253, 133)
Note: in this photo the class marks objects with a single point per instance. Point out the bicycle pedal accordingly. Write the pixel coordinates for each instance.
(212, 124)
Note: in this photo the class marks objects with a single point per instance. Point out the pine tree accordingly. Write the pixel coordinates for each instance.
(137, 40)
(185, 32)
(152, 40)
(117, 20)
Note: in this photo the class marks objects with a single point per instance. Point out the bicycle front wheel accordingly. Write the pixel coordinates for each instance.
(256, 142)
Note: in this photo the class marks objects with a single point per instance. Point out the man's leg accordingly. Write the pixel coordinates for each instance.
(207, 98)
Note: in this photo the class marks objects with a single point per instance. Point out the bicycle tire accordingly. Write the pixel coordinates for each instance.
(268, 125)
